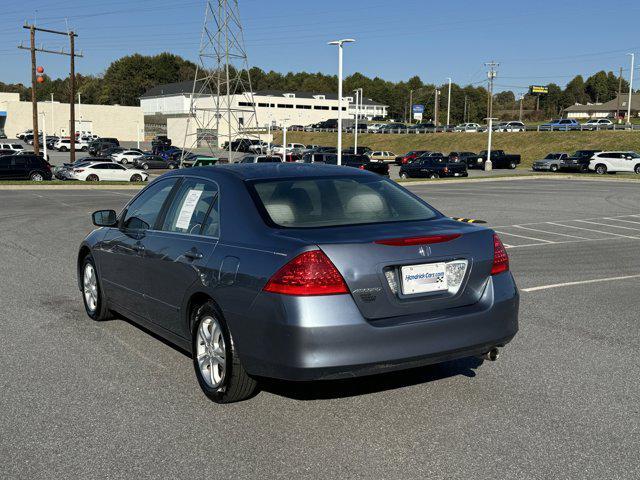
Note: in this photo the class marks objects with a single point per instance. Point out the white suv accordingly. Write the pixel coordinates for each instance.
(64, 145)
(610, 162)
(597, 124)
(510, 127)
(16, 147)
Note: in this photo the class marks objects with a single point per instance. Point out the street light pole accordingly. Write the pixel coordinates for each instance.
(488, 164)
(340, 43)
(449, 102)
(630, 89)
(355, 131)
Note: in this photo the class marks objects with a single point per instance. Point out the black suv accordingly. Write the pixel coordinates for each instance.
(24, 167)
(579, 161)
(97, 146)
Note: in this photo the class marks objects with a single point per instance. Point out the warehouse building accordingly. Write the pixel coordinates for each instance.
(124, 123)
(605, 110)
(169, 105)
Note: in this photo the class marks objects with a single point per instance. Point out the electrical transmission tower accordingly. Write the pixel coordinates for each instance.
(222, 105)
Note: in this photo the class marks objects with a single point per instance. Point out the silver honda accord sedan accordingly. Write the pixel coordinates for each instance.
(297, 272)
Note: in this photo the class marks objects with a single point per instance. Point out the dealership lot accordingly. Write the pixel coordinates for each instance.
(82, 397)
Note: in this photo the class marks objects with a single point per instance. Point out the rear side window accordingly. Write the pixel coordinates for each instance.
(190, 207)
(327, 202)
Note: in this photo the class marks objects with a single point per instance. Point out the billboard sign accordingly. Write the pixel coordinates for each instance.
(538, 89)
(417, 108)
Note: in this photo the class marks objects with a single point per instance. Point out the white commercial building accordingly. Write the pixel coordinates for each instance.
(172, 102)
(123, 123)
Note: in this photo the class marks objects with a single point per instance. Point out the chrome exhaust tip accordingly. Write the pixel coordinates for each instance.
(492, 355)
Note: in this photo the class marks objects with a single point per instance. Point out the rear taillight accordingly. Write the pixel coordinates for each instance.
(500, 257)
(405, 242)
(361, 167)
(446, 170)
(310, 273)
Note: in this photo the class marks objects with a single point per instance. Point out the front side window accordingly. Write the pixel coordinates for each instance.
(143, 212)
(190, 207)
(328, 202)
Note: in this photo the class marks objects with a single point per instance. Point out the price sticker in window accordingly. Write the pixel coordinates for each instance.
(188, 207)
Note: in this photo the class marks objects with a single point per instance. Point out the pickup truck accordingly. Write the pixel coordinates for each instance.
(499, 159)
(433, 167)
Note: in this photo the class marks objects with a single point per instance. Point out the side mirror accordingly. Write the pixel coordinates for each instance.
(104, 218)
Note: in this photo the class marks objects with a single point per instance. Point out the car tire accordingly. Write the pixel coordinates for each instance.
(136, 177)
(145, 166)
(216, 363)
(93, 297)
(172, 166)
(637, 169)
(553, 168)
(62, 149)
(124, 161)
(601, 169)
(92, 178)
(403, 175)
(83, 149)
(513, 165)
(36, 177)
(434, 176)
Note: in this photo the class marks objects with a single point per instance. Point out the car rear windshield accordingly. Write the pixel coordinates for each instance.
(337, 201)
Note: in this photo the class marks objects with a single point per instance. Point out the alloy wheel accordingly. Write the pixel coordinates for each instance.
(36, 177)
(90, 287)
(210, 352)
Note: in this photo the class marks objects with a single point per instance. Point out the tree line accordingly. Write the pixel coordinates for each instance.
(127, 78)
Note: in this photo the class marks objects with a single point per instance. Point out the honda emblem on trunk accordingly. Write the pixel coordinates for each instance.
(424, 250)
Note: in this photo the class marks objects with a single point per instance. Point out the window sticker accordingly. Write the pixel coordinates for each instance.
(188, 207)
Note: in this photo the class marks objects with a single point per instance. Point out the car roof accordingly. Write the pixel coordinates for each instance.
(279, 170)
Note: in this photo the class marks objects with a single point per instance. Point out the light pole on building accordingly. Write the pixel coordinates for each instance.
(340, 43)
(630, 89)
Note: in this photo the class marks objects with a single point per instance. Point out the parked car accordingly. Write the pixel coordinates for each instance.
(510, 127)
(433, 167)
(374, 127)
(126, 156)
(613, 162)
(106, 171)
(199, 160)
(552, 162)
(261, 159)
(150, 161)
(409, 156)
(579, 160)
(160, 142)
(63, 172)
(598, 124)
(4, 152)
(14, 147)
(563, 124)
(361, 150)
(98, 146)
(64, 145)
(499, 159)
(422, 127)
(21, 135)
(361, 162)
(393, 128)
(467, 127)
(465, 157)
(24, 167)
(322, 240)
(382, 156)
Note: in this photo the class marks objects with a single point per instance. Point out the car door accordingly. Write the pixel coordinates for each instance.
(616, 161)
(5, 167)
(627, 162)
(19, 168)
(121, 254)
(178, 250)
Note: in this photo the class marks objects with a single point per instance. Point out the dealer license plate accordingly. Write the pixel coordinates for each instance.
(428, 277)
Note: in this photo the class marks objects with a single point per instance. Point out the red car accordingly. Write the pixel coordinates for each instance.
(409, 157)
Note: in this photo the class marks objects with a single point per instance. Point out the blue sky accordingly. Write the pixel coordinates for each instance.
(536, 42)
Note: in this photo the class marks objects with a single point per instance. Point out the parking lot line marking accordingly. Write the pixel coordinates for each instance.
(562, 242)
(525, 237)
(550, 233)
(608, 225)
(581, 282)
(621, 220)
(592, 230)
(571, 220)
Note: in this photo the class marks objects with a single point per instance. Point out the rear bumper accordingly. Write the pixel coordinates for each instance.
(315, 338)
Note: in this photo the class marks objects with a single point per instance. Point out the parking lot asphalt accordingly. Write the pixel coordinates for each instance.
(87, 399)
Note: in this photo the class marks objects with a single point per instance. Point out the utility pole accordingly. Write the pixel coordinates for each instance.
(464, 114)
(53, 128)
(521, 99)
(619, 95)
(491, 74)
(32, 31)
(410, 107)
(630, 89)
(34, 101)
(435, 108)
(449, 102)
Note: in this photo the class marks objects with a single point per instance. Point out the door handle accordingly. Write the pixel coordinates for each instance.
(193, 254)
